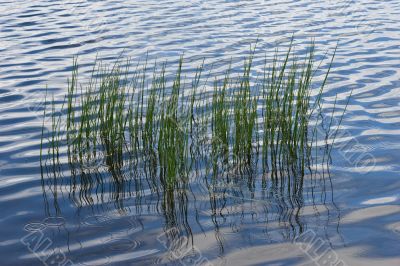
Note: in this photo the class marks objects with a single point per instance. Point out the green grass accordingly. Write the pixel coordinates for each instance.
(143, 119)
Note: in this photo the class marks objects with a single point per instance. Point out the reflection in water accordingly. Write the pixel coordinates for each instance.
(130, 148)
(280, 204)
(39, 37)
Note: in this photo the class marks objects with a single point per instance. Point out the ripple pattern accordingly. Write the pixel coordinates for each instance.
(39, 39)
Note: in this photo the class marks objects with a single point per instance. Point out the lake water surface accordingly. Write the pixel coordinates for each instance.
(354, 214)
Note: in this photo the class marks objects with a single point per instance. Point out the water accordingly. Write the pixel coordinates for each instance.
(358, 221)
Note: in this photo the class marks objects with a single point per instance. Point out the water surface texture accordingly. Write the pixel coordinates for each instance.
(354, 214)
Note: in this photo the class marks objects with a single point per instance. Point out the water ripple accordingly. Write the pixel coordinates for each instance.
(39, 39)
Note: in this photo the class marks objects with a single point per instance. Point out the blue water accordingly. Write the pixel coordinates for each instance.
(355, 214)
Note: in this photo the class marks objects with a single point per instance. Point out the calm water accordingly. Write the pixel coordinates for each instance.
(355, 213)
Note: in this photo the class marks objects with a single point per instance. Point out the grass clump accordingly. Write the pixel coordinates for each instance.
(120, 117)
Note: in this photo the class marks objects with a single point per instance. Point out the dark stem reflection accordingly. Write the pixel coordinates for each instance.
(282, 202)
